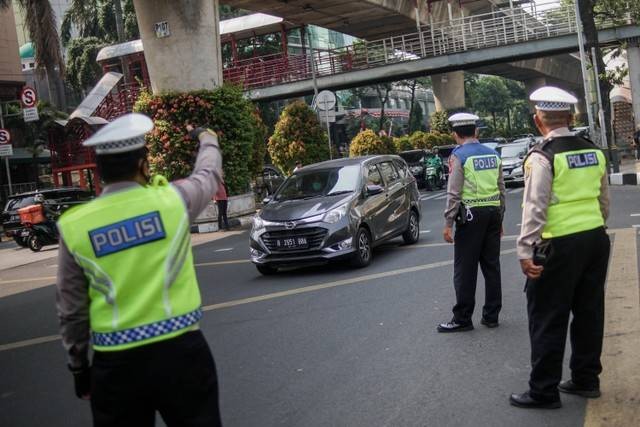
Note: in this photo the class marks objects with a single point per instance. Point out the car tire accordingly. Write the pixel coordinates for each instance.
(363, 249)
(267, 270)
(34, 244)
(412, 234)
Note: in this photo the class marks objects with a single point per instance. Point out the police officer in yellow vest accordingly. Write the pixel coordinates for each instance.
(475, 203)
(127, 284)
(564, 251)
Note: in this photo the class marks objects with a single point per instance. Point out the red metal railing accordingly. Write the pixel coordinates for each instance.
(119, 102)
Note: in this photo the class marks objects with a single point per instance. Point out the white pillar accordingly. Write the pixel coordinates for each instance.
(633, 61)
(448, 90)
(189, 58)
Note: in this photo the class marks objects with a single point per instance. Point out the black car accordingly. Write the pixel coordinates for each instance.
(61, 196)
(338, 209)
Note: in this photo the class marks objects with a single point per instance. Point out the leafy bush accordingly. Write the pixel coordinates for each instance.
(259, 149)
(298, 135)
(224, 110)
(443, 139)
(368, 142)
(402, 143)
(440, 122)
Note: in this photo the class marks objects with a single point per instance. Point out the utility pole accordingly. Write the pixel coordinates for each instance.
(583, 64)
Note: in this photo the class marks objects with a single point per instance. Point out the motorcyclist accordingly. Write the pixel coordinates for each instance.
(434, 161)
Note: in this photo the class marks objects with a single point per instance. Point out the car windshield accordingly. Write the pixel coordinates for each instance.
(15, 204)
(412, 156)
(509, 151)
(320, 183)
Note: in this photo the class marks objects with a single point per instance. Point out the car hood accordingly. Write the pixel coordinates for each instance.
(290, 210)
(511, 161)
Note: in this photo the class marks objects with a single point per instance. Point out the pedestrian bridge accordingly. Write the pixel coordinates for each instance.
(471, 42)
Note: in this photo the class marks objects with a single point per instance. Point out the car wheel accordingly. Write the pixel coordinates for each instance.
(34, 244)
(266, 270)
(412, 234)
(362, 256)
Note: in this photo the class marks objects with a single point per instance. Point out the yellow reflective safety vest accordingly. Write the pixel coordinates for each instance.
(578, 167)
(134, 247)
(481, 167)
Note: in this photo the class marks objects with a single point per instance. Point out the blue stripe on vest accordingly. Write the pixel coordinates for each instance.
(127, 234)
(582, 160)
(145, 332)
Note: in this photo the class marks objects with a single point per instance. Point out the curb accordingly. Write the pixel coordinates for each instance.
(624, 179)
(243, 222)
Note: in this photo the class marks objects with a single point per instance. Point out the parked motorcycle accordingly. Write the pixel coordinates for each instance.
(39, 235)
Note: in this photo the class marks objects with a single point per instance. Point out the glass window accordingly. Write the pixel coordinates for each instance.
(402, 168)
(320, 183)
(373, 176)
(389, 172)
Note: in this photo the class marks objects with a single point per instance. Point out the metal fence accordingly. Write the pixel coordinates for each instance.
(497, 28)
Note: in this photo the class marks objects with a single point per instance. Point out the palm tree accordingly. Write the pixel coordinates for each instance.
(40, 20)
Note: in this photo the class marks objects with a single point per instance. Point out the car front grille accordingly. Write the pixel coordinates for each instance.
(314, 235)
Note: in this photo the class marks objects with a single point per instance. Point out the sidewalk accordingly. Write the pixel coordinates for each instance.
(629, 173)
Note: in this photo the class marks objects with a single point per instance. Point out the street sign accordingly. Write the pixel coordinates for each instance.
(162, 29)
(6, 150)
(5, 136)
(30, 114)
(327, 116)
(28, 97)
(326, 100)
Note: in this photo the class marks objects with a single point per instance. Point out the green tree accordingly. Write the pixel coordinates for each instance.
(40, 20)
(415, 118)
(489, 96)
(368, 143)
(111, 21)
(82, 69)
(440, 122)
(228, 12)
(298, 136)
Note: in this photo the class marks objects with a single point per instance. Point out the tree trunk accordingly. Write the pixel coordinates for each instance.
(495, 125)
(509, 121)
(591, 40)
(117, 11)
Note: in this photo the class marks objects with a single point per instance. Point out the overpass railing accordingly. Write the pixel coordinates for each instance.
(497, 28)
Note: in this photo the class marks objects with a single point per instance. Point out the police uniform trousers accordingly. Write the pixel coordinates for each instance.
(572, 282)
(478, 242)
(176, 377)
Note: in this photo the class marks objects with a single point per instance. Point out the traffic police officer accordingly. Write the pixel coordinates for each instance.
(475, 202)
(563, 250)
(126, 279)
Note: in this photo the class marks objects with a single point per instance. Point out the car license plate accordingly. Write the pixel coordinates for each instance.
(292, 243)
(24, 234)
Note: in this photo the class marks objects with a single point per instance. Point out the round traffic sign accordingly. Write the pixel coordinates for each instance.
(326, 100)
(5, 136)
(28, 97)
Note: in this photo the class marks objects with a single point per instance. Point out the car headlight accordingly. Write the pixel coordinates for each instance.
(517, 171)
(416, 169)
(258, 224)
(335, 215)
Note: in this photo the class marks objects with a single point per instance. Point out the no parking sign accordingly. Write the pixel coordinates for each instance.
(29, 99)
(6, 149)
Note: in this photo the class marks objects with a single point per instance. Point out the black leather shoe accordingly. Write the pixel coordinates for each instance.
(489, 324)
(570, 387)
(454, 326)
(524, 400)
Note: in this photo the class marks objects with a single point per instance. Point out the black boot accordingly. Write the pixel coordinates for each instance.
(454, 326)
(524, 400)
(570, 387)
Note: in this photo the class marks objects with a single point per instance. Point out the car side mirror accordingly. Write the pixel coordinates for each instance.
(266, 200)
(373, 190)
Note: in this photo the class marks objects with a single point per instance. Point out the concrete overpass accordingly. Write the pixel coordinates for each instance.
(484, 59)
(376, 19)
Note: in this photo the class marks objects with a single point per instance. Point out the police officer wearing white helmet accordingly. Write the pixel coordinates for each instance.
(564, 251)
(127, 286)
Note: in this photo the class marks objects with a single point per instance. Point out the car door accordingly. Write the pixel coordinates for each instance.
(373, 206)
(397, 206)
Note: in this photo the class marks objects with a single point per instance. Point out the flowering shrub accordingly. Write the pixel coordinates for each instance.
(224, 110)
(297, 136)
(402, 143)
(367, 142)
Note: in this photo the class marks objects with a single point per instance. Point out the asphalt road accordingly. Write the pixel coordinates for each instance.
(321, 346)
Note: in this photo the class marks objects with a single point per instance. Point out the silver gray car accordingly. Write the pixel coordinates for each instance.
(336, 210)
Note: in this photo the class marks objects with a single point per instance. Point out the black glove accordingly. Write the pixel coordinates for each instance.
(82, 381)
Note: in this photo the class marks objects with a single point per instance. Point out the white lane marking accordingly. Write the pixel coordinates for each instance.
(368, 279)
(444, 196)
(638, 214)
(432, 196)
(636, 226)
(224, 250)
(425, 232)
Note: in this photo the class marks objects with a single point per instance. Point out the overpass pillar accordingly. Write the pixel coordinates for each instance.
(633, 61)
(187, 56)
(581, 111)
(448, 90)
